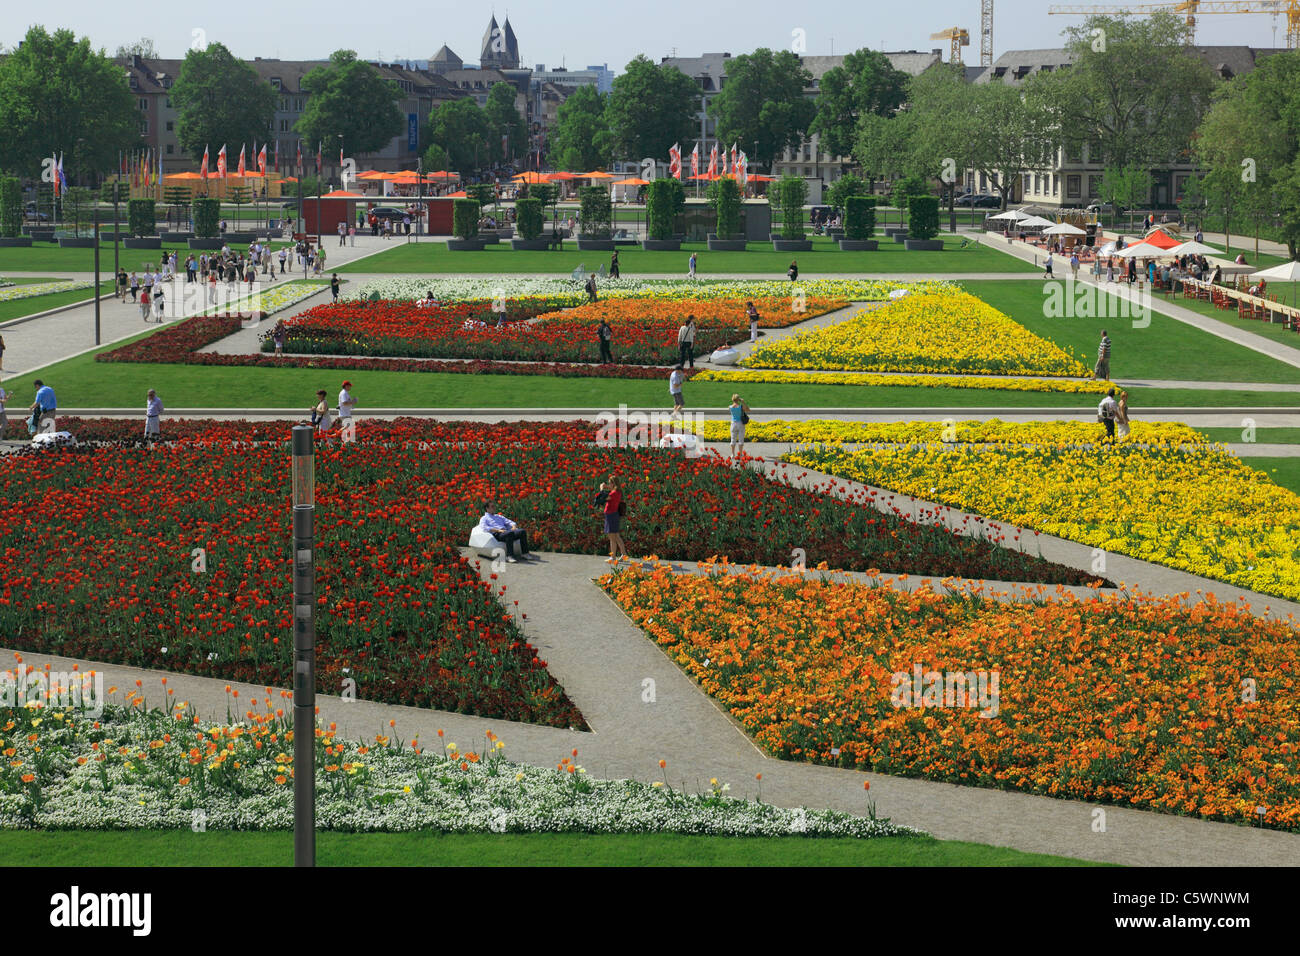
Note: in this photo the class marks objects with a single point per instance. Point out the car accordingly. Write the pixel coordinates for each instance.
(980, 201)
(32, 214)
(1101, 208)
(392, 212)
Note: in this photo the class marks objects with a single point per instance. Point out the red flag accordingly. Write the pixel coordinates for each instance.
(204, 171)
(675, 161)
(261, 160)
(713, 162)
(733, 159)
(242, 170)
(221, 161)
(695, 161)
(299, 167)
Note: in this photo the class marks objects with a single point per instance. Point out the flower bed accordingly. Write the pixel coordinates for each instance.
(1072, 386)
(1197, 508)
(950, 331)
(992, 431)
(169, 770)
(1121, 700)
(11, 293)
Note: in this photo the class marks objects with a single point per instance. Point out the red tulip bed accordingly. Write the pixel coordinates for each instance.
(97, 551)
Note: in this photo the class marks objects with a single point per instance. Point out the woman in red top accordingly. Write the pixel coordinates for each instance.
(611, 496)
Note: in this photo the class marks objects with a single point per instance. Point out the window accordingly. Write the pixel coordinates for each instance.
(807, 170)
(1028, 180)
(297, 105)
(170, 149)
(170, 126)
(144, 103)
(1056, 185)
(1094, 185)
(144, 127)
(275, 82)
(984, 182)
(284, 126)
(1073, 187)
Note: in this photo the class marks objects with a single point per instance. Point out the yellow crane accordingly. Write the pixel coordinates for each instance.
(959, 38)
(1191, 9)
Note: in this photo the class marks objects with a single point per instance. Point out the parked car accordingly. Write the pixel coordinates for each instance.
(1101, 209)
(32, 214)
(394, 213)
(980, 201)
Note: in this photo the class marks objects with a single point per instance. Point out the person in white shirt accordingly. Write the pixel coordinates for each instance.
(153, 410)
(686, 342)
(346, 404)
(1108, 412)
(320, 413)
(675, 383)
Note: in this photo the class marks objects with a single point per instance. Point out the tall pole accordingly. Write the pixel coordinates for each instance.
(419, 195)
(117, 186)
(704, 106)
(303, 479)
(97, 273)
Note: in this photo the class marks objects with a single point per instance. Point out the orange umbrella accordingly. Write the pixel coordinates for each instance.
(529, 177)
(596, 175)
(563, 176)
(342, 194)
(289, 179)
(374, 174)
(183, 176)
(460, 194)
(634, 181)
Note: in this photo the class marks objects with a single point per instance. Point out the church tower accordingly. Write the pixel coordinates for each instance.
(500, 47)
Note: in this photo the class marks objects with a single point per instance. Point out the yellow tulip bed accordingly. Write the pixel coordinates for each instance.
(821, 430)
(950, 331)
(1197, 508)
(1067, 385)
(1119, 699)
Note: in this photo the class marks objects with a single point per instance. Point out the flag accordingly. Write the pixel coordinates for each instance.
(744, 169)
(340, 157)
(204, 171)
(675, 161)
(60, 180)
(733, 159)
(299, 167)
(261, 160)
(695, 161)
(277, 155)
(221, 161)
(713, 161)
(242, 168)
(160, 166)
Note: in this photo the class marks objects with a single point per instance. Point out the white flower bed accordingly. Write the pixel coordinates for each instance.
(270, 299)
(151, 770)
(11, 293)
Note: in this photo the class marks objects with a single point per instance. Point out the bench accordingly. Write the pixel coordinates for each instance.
(484, 542)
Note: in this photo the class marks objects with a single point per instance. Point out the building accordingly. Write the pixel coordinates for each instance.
(500, 47)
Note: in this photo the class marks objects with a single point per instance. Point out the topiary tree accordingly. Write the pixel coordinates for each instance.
(859, 217)
(464, 218)
(791, 192)
(724, 195)
(595, 211)
(846, 186)
(665, 198)
(904, 189)
(528, 217)
(922, 217)
(207, 218)
(140, 217)
(239, 196)
(177, 197)
(77, 207)
(11, 206)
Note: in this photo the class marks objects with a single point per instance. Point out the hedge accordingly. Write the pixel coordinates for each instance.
(664, 200)
(922, 217)
(464, 218)
(595, 212)
(11, 206)
(141, 218)
(207, 217)
(726, 203)
(528, 217)
(791, 192)
(860, 217)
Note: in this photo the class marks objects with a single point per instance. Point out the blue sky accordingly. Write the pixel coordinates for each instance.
(578, 32)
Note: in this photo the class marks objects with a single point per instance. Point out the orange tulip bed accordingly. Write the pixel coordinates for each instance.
(1134, 701)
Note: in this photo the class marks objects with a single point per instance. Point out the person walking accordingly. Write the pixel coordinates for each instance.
(613, 507)
(334, 286)
(1074, 266)
(346, 404)
(352, 235)
(1102, 370)
(739, 419)
(343, 232)
(1048, 273)
(686, 342)
(320, 413)
(591, 287)
(44, 410)
(212, 286)
(676, 381)
(284, 254)
(613, 265)
(690, 267)
(153, 409)
(144, 304)
(158, 306)
(1121, 417)
(1110, 269)
(605, 335)
(751, 313)
(2, 353)
(121, 285)
(1107, 413)
(135, 286)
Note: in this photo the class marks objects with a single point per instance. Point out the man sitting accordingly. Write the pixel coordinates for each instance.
(505, 531)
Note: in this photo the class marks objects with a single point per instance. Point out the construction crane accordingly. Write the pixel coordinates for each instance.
(1191, 9)
(986, 32)
(959, 37)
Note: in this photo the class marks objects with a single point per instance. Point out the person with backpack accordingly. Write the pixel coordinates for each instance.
(606, 335)
(739, 419)
(613, 508)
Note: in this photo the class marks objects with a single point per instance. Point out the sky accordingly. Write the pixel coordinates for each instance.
(577, 33)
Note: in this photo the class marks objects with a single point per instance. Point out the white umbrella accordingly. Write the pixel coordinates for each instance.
(1143, 250)
(1033, 222)
(1194, 248)
(1228, 266)
(1286, 272)
(1015, 214)
(1065, 229)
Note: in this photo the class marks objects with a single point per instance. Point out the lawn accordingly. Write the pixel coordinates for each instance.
(1276, 331)
(1165, 350)
(431, 256)
(19, 308)
(47, 257)
(1263, 436)
(83, 848)
(1283, 471)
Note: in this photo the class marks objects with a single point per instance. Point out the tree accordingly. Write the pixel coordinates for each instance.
(58, 96)
(1134, 90)
(142, 47)
(1126, 187)
(220, 99)
(436, 159)
(867, 84)
(11, 206)
(881, 143)
(462, 131)
(649, 108)
(763, 103)
(582, 140)
(350, 97)
(791, 191)
(505, 122)
(843, 188)
(77, 207)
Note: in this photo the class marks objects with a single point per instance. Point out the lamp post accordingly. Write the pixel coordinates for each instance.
(303, 479)
(97, 274)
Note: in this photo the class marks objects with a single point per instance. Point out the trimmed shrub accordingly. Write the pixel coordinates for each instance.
(791, 192)
(11, 206)
(838, 194)
(725, 195)
(207, 218)
(464, 218)
(594, 209)
(922, 217)
(528, 217)
(140, 217)
(664, 200)
(859, 217)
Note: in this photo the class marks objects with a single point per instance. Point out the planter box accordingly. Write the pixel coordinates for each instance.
(923, 245)
(12, 242)
(900, 237)
(489, 238)
(837, 233)
(726, 245)
(661, 245)
(891, 231)
(42, 235)
(596, 245)
(792, 245)
(176, 236)
(205, 243)
(69, 242)
(465, 245)
(859, 245)
(145, 242)
(243, 236)
(531, 245)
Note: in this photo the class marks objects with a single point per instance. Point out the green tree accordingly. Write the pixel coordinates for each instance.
(582, 140)
(349, 96)
(791, 191)
(220, 99)
(11, 206)
(462, 130)
(436, 159)
(843, 188)
(1126, 187)
(59, 96)
(142, 47)
(649, 108)
(505, 120)
(763, 103)
(867, 84)
(1134, 89)
(77, 207)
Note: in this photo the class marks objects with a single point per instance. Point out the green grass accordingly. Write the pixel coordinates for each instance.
(431, 256)
(47, 257)
(1165, 350)
(1263, 436)
(39, 303)
(1269, 330)
(1283, 471)
(83, 848)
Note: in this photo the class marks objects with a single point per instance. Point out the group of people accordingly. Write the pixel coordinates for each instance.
(320, 412)
(608, 498)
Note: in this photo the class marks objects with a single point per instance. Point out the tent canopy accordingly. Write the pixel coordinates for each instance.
(1065, 229)
(1143, 250)
(1194, 248)
(1034, 222)
(634, 181)
(1014, 214)
(1161, 240)
(1286, 272)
